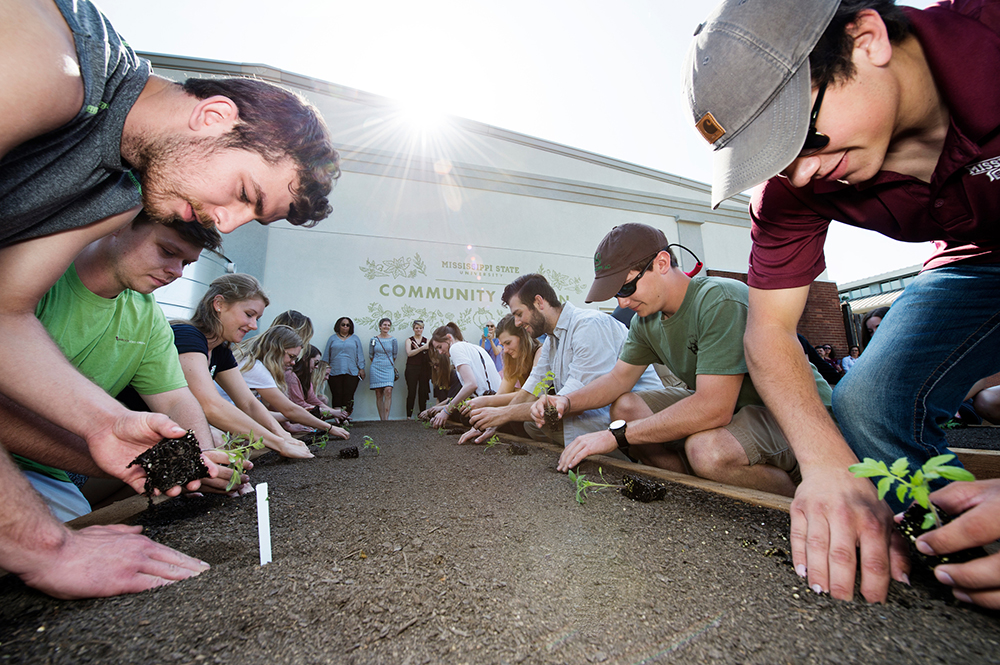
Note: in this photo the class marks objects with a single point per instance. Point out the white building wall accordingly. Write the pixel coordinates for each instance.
(433, 225)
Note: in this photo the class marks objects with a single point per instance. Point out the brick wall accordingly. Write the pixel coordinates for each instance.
(822, 321)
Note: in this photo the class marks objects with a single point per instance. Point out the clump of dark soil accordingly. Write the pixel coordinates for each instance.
(518, 449)
(171, 462)
(350, 452)
(316, 412)
(551, 416)
(912, 528)
(640, 488)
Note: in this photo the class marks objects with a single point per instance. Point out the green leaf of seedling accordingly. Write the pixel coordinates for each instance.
(868, 468)
(901, 491)
(955, 473)
(900, 467)
(883, 487)
(928, 521)
(921, 494)
(938, 460)
(918, 478)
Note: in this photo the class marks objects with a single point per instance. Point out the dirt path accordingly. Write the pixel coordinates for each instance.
(430, 552)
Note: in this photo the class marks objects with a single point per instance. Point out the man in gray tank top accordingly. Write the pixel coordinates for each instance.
(87, 136)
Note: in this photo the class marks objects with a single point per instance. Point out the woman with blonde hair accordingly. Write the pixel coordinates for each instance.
(226, 313)
(266, 358)
(298, 322)
(521, 353)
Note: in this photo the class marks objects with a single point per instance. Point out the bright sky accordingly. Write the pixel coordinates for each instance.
(599, 76)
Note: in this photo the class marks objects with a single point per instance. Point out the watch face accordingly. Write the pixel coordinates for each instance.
(618, 424)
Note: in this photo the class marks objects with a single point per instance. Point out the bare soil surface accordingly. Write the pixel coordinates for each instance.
(431, 552)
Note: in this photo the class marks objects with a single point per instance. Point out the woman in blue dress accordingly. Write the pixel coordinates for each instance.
(382, 350)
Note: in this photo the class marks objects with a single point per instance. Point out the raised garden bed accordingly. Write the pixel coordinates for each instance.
(431, 552)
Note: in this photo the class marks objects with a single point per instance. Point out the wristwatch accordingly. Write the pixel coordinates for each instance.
(618, 429)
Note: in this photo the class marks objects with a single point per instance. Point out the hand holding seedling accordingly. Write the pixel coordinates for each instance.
(558, 402)
(593, 443)
(976, 506)
(230, 479)
(440, 419)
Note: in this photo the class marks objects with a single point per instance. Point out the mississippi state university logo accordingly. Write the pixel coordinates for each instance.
(991, 167)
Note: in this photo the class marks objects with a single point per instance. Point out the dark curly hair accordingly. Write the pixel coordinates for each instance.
(830, 59)
(275, 124)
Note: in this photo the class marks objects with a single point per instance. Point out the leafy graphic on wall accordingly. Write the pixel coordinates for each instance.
(468, 319)
(562, 283)
(401, 267)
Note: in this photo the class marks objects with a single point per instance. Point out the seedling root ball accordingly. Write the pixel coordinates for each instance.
(171, 462)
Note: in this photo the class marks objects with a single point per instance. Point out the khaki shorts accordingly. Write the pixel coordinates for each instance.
(753, 426)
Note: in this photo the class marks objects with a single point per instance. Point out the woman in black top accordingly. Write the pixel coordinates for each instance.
(418, 370)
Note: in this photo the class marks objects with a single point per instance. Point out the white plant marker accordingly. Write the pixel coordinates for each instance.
(263, 523)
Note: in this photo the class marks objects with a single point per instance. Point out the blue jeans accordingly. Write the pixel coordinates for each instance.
(941, 336)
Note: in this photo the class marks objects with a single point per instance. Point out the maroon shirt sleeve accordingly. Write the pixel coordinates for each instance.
(787, 237)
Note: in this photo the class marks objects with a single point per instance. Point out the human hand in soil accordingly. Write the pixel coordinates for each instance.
(476, 436)
(440, 419)
(218, 484)
(102, 561)
(114, 448)
(335, 413)
(339, 432)
(488, 416)
(594, 443)
(538, 408)
(977, 507)
(834, 515)
(294, 449)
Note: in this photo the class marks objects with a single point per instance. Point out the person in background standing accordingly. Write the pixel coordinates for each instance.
(492, 345)
(418, 370)
(347, 364)
(383, 350)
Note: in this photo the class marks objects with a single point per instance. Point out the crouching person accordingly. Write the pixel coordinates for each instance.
(102, 316)
(716, 427)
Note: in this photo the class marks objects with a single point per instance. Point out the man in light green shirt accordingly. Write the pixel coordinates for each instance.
(103, 317)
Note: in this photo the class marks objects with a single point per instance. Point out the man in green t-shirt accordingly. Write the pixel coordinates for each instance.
(103, 317)
(717, 426)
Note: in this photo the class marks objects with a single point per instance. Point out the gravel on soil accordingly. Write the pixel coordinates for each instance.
(431, 552)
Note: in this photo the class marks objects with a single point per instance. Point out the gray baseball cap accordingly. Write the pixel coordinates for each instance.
(747, 82)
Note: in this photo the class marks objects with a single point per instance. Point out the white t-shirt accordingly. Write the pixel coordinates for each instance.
(257, 378)
(479, 361)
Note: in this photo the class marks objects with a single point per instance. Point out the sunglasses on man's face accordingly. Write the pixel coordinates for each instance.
(629, 287)
(815, 141)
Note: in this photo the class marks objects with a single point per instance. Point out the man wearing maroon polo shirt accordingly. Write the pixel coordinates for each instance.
(889, 119)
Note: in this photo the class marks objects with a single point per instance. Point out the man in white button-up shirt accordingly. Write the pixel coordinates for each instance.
(580, 346)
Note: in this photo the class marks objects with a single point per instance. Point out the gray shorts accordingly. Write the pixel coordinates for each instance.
(753, 426)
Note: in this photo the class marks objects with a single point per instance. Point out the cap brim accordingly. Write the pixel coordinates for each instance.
(768, 144)
(606, 286)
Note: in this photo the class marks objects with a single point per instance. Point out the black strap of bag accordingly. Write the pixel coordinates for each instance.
(489, 390)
